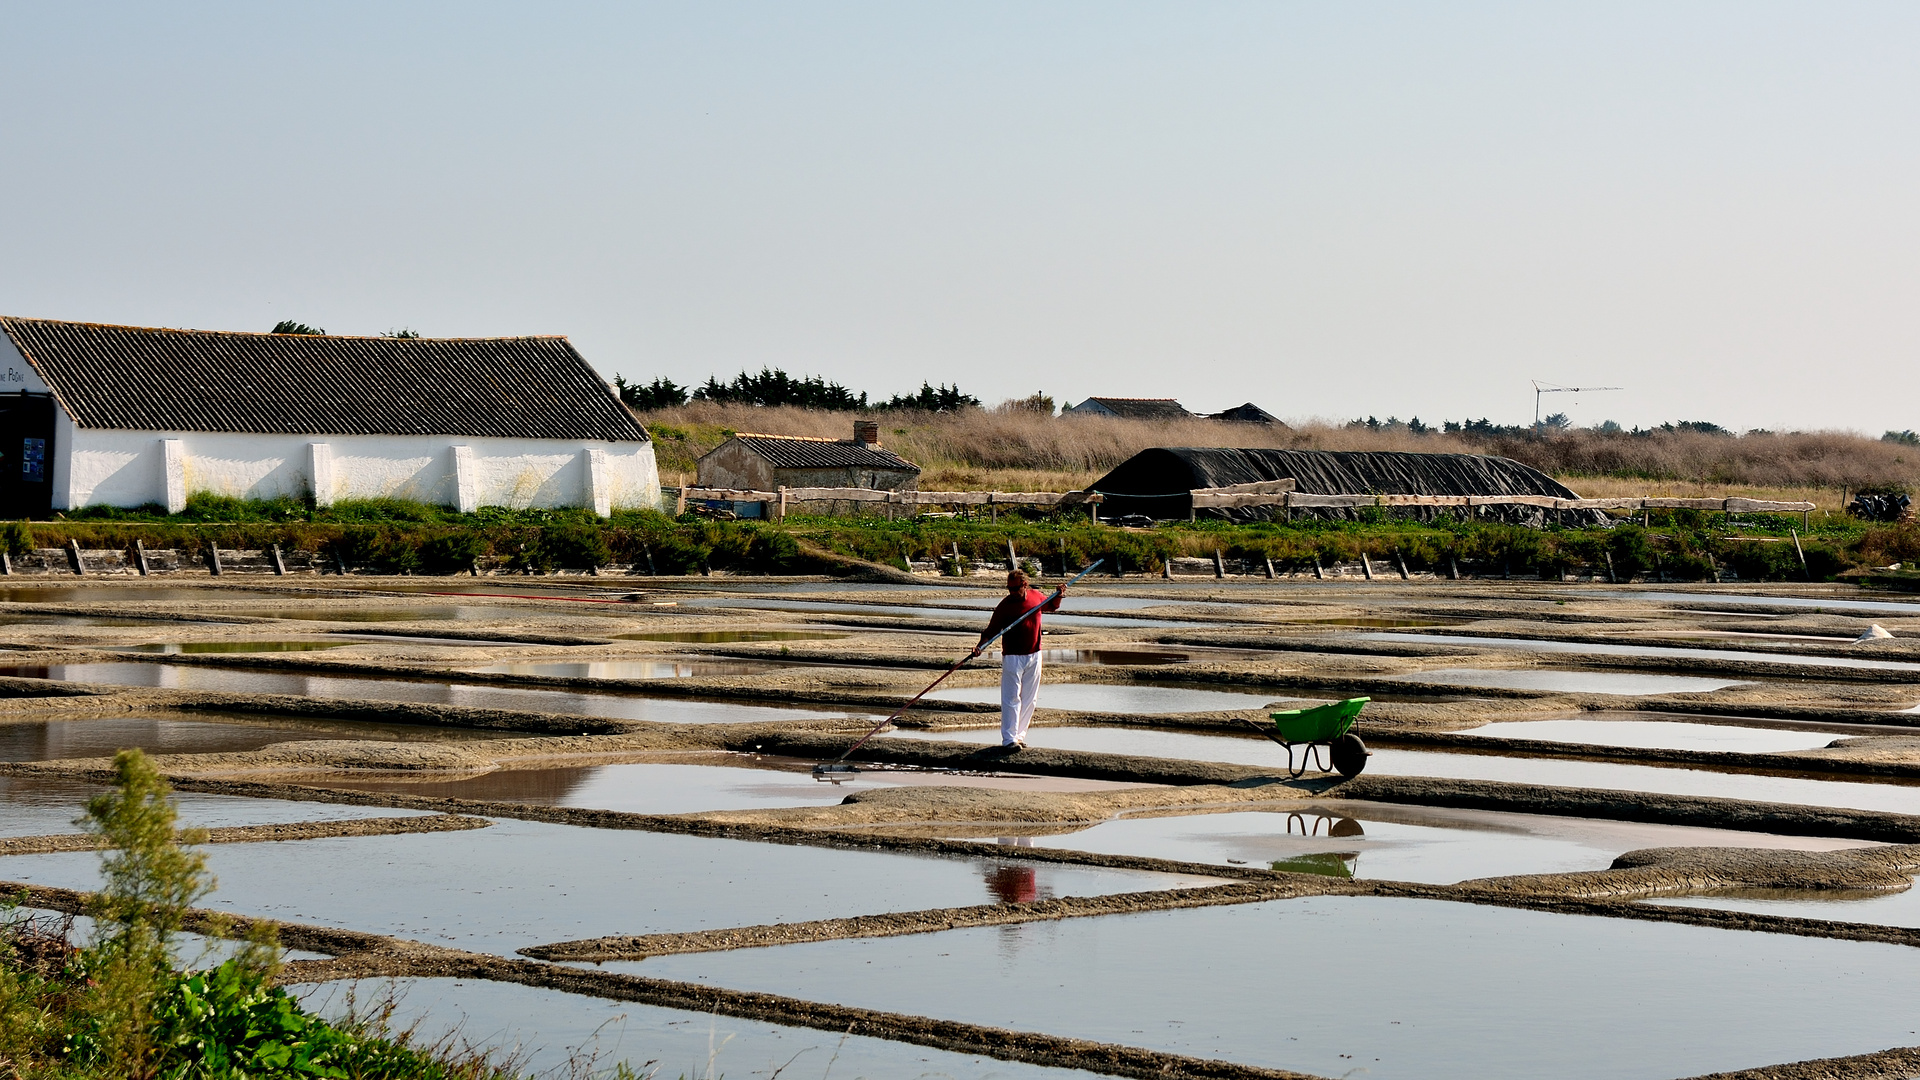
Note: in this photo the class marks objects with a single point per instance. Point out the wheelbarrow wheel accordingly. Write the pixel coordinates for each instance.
(1349, 755)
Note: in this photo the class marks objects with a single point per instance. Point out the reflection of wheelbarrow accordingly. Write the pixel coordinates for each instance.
(1330, 726)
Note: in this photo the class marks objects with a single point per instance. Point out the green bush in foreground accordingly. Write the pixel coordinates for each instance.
(119, 1008)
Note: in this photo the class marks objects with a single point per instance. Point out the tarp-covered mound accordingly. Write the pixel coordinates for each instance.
(1156, 482)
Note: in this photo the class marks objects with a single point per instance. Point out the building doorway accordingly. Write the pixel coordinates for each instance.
(26, 455)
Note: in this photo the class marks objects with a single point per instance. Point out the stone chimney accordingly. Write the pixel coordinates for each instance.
(867, 434)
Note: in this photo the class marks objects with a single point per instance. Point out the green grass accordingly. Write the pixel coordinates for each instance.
(397, 536)
(120, 1008)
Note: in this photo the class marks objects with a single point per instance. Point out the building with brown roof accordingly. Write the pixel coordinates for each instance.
(92, 414)
(1130, 408)
(749, 462)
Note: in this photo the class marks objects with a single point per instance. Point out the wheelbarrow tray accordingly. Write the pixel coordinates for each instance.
(1319, 724)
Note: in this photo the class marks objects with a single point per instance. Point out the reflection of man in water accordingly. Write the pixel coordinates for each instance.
(1019, 655)
(1013, 884)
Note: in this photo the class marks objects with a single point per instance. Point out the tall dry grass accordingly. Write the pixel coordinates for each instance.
(1011, 449)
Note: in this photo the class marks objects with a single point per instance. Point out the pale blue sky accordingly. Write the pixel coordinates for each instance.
(1332, 210)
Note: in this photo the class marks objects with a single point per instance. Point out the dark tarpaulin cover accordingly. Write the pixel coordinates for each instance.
(1156, 481)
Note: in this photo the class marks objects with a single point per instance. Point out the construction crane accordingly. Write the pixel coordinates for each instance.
(1555, 388)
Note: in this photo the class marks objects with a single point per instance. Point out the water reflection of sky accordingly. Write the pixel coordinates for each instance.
(1470, 992)
(582, 703)
(517, 884)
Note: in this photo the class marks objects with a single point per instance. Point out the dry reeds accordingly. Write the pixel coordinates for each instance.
(1017, 449)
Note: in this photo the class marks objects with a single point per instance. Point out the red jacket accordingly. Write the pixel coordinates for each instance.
(1024, 638)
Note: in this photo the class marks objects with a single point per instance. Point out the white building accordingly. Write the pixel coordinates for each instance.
(127, 416)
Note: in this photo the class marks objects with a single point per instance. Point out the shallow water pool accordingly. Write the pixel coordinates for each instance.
(1556, 772)
(901, 611)
(1662, 734)
(33, 806)
(713, 781)
(1630, 684)
(188, 647)
(49, 740)
(580, 703)
(546, 1028)
(1351, 838)
(1601, 648)
(517, 883)
(635, 669)
(1400, 988)
(722, 637)
(1116, 698)
(1888, 909)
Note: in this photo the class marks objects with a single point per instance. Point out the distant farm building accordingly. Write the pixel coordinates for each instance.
(749, 462)
(1157, 482)
(1130, 408)
(1248, 413)
(94, 415)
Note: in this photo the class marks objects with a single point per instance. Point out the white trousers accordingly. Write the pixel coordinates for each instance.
(1019, 691)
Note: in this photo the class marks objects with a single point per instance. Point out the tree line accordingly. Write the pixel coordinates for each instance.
(772, 386)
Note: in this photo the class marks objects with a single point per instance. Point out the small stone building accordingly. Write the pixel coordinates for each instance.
(94, 415)
(749, 462)
(1130, 408)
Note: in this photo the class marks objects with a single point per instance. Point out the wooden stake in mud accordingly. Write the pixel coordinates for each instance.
(1318, 574)
(1166, 567)
(1453, 569)
(839, 764)
(140, 556)
(1366, 566)
(1612, 578)
(279, 564)
(6, 563)
(213, 560)
(1219, 564)
(1013, 560)
(1802, 554)
(1400, 561)
(647, 550)
(73, 556)
(1270, 574)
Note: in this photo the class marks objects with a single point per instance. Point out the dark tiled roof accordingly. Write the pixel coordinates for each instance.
(288, 384)
(792, 452)
(1143, 408)
(1247, 414)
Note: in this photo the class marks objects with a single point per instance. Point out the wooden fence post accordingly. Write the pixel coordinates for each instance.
(140, 556)
(1401, 561)
(1802, 554)
(680, 502)
(73, 556)
(1219, 564)
(1318, 574)
(1270, 574)
(279, 564)
(1366, 566)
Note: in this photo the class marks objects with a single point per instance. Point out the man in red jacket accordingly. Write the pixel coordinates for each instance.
(1020, 655)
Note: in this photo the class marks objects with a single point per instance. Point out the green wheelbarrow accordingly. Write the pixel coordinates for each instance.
(1329, 726)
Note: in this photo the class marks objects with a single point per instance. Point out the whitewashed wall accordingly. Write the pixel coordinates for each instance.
(128, 468)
